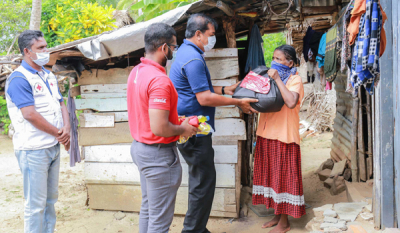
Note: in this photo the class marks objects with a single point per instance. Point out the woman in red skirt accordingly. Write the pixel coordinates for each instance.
(277, 181)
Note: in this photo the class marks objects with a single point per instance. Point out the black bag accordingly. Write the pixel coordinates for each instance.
(271, 102)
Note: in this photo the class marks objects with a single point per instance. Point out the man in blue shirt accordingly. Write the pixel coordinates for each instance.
(41, 122)
(197, 96)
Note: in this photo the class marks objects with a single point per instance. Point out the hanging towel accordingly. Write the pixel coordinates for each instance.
(255, 55)
(306, 42)
(331, 54)
(321, 51)
(346, 49)
(74, 154)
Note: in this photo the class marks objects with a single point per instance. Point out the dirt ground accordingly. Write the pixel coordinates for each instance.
(74, 216)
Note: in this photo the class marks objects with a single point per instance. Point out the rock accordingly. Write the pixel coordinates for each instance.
(349, 211)
(368, 208)
(370, 183)
(330, 213)
(119, 215)
(347, 174)
(391, 230)
(318, 212)
(328, 183)
(332, 230)
(367, 216)
(328, 164)
(314, 224)
(338, 185)
(338, 168)
(330, 220)
(324, 174)
(339, 225)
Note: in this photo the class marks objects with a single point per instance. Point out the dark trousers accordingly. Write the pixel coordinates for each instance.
(199, 156)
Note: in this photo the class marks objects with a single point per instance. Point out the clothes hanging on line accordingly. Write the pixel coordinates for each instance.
(311, 41)
(346, 48)
(331, 55)
(255, 56)
(321, 51)
(365, 64)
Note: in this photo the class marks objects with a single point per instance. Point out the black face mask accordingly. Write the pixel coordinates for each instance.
(169, 56)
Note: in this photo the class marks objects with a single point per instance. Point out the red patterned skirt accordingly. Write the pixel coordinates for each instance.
(277, 180)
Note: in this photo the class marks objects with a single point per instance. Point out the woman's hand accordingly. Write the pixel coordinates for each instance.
(273, 74)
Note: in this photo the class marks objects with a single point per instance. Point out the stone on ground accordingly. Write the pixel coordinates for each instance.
(313, 225)
(349, 211)
(328, 183)
(330, 220)
(347, 174)
(332, 230)
(324, 174)
(328, 164)
(391, 230)
(339, 225)
(330, 213)
(119, 215)
(318, 212)
(367, 216)
(338, 168)
(368, 208)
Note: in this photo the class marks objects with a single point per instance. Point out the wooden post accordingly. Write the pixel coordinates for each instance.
(369, 123)
(362, 168)
(354, 163)
(229, 28)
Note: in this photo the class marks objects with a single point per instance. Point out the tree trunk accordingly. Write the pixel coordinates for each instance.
(36, 15)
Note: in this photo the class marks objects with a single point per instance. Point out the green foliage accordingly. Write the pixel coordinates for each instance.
(271, 42)
(150, 8)
(14, 19)
(4, 117)
(74, 20)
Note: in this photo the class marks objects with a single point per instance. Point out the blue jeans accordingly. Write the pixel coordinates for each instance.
(40, 170)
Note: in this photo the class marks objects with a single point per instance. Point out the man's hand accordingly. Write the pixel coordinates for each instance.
(245, 105)
(67, 146)
(231, 89)
(188, 129)
(64, 135)
(273, 74)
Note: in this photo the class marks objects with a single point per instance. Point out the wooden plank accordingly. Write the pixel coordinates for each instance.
(362, 167)
(102, 105)
(221, 113)
(75, 91)
(127, 173)
(221, 53)
(121, 116)
(229, 129)
(103, 95)
(224, 154)
(223, 68)
(225, 82)
(129, 198)
(96, 120)
(354, 163)
(105, 136)
(238, 169)
(377, 197)
(111, 76)
(319, 9)
(100, 88)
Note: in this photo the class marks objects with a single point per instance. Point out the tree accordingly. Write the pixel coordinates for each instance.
(147, 9)
(271, 42)
(36, 15)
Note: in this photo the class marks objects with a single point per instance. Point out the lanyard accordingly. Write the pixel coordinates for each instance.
(45, 82)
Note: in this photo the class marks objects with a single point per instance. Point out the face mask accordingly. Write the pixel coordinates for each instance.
(283, 71)
(42, 58)
(211, 43)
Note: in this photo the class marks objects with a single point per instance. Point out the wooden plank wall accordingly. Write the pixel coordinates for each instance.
(113, 179)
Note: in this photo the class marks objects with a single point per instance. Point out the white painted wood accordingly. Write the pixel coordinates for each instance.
(223, 68)
(102, 105)
(101, 88)
(224, 154)
(222, 113)
(127, 173)
(235, 129)
(224, 82)
(110, 76)
(226, 52)
(103, 95)
(121, 116)
(96, 120)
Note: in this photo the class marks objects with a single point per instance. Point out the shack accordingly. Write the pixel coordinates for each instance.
(100, 65)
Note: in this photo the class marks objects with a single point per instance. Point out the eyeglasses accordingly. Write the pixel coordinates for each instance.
(174, 45)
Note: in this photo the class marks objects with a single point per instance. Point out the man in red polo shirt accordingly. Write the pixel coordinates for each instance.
(154, 124)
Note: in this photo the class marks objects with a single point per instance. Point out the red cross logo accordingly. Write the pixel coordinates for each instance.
(51, 84)
(38, 87)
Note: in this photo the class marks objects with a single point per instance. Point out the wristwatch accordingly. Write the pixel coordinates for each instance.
(223, 90)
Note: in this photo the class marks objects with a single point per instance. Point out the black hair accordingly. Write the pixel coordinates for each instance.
(157, 34)
(26, 39)
(199, 22)
(290, 53)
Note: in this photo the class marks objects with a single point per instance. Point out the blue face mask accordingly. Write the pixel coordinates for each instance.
(283, 71)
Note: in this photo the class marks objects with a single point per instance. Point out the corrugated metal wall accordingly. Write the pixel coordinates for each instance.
(341, 141)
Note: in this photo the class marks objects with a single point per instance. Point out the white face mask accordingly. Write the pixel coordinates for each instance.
(42, 58)
(211, 43)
